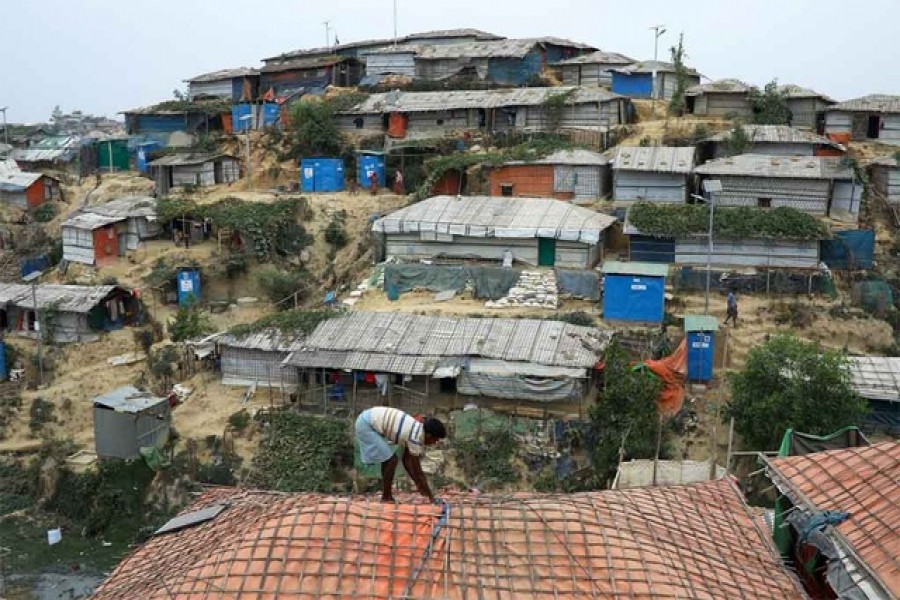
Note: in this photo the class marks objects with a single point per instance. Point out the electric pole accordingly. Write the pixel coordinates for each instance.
(658, 31)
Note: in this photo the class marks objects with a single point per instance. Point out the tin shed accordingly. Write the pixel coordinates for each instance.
(649, 79)
(700, 331)
(591, 69)
(873, 117)
(807, 106)
(128, 419)
(885, 173)
(634, 291)
(656, 174)
(563, 175)
(723, 98)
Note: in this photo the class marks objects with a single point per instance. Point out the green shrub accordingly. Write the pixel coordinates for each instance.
(189, 322)
(45, 213)
(40, 413)
(280, 285)
(336, 232)
(239, 420)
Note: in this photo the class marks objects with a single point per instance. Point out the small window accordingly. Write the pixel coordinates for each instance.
(358, 121)
(506, 189)
(440, 121)
(764, 202)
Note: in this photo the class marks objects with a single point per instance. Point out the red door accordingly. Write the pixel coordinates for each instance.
(106, 245)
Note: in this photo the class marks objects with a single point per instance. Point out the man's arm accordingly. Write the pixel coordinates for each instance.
(413, 466)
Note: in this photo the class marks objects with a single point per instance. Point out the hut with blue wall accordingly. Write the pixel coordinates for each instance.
(322, 174)
(230, 84)
(188, 284)
(700, 331)
(634, 291)
(637, 80)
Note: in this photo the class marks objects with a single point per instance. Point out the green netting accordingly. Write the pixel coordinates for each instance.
(472, 424)
(154, 458)
(874, 296)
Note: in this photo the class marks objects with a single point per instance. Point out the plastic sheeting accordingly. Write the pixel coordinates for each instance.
(581, 284)
(849, 250)
(633, 298)
(495, 379)
(672, 370)
(487, 282)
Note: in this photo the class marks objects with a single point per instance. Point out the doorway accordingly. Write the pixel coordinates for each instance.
(217, 172)
(546, 252)
(873, 129)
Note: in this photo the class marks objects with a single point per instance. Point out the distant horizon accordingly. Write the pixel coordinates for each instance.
(111, 57)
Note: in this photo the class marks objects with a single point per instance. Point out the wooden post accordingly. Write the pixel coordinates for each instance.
(714, 442)
(730, 445)
(658, 446)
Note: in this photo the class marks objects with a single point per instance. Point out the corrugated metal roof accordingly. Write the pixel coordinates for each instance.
(194, 158)
(498, 217)
(777, 134)
(864, 482)
(796, 92)
(599, 58)
(649, 66)
(876, 377)
(18, 182)
(793, 167)
(128, 399)
(385, 42)
(516, 48)
(871, 103)
(422, 343)
(657, 159)
(9, 166)
(48, 149)
(314, 62)
(92, 217)
(700, 323)
(576, 157)
(65, 298)
(223, 74)
(267, 340)
(397, 101)
(722, 86)
(664, 542)
(614, 267)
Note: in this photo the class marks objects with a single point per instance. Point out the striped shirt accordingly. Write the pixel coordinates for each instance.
(397, 427)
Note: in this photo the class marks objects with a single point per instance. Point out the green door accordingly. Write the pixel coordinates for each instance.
(546, 252)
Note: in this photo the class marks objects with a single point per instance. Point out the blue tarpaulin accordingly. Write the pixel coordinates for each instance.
(849, 250)
(633, 298)
(35, 263)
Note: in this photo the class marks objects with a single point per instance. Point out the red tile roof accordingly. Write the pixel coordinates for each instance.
(697, 541)
(863, 481)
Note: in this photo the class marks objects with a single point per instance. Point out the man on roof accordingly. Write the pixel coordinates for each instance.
(378, 428)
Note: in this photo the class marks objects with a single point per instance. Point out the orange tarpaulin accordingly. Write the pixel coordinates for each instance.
(672, 370)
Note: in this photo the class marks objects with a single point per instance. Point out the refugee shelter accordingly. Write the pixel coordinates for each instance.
(807, 106)
(773, 246)
(537, 231)
(128, 419)
(99, 235)
(639, 472)
(885, 178)
(26, 190)
(509, 359)
(649, 79)
(723, 98)
(634, 291)
(65, 313)
(279, 77)
(511, 62)
(697, 541)
(255, 359)
(177, 124)
(772, 140)
(843, 516)
(194, 169)
(653, 173)
(876, 379)
(240, 84)
(424, 115)
(824, 186)
(564, 175)
(591, 69)
(875, 117)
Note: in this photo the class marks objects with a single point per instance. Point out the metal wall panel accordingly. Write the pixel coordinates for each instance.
(749, 253)
(655, 187)
(723, 104)
(808, 195)
(215, 89)
(846, 196)
(381, 64)
(721, 149)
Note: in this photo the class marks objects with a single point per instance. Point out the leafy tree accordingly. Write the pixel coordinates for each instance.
(677, 102)
(314, 131)
(189, 322)
(625, 415)
(336, 232)
(770, 105)
(279, 285)
(790, 383)
(737, 141)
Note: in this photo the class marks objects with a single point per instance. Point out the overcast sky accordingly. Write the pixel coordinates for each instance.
(104, 56)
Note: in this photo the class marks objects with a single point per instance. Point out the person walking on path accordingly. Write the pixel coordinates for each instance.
(378, 428)
(398, 183)
(731, 308)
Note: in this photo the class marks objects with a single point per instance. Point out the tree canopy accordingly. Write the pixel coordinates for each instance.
(770, 105)
(313, 130)
(790, 383)
(625, 415)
